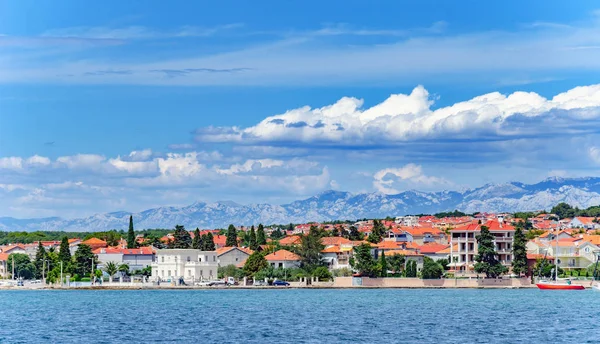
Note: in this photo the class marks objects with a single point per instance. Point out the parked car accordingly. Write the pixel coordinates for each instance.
(20, 283)
(230, 281)
(204, 283)
(281, 283)
(260, 283)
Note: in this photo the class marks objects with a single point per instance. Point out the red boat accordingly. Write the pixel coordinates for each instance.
(559, 286)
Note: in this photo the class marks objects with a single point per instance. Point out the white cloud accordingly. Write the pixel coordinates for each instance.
(38, 160)
(594, 153)
(12, 163)
(412, 174)
(318, 59)
(251, 165)
(409, 117)
(85, 161)
(142, 155)
(135, 32)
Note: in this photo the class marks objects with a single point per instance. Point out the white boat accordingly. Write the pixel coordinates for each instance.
(596, 287)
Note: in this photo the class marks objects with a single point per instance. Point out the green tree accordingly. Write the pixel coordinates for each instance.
(383, 265)
(411, 268)
(197, 241)
(111, 269)
(487, 258)
(377, 232)
(354, 234)
(23, 267)
(208, 242)
(563, 210)
(431, 269)
(310, 249)
(363, 262)
(335, 232)
(252, 240)
(83, 259)
(261, 238)
(519, 263)
(131, 242)
(322, 273)
(544, 268)
(255, 262)
(181, 238)
(396, 262)
(64, 253)
(231, 236)
(444, 263)
(124, 269)
(39, 263)
(277, 234)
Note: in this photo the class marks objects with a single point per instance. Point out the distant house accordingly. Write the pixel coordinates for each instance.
(337, 257)
(398, 235)
(4, 265)
(583, 222)
(434, 251)
(233, 255)
(135, 258)
(283, 259)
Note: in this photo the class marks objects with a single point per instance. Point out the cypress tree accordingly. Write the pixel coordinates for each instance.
(197, 241)
(39, 260)
(253, 243)
(231, 236)
(261, 238)
(519, 263)
(131, 243)
(383, 264)
(64, 254)
(208, 242)
(487, 257)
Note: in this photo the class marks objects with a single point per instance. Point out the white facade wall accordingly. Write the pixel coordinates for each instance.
(187, 263)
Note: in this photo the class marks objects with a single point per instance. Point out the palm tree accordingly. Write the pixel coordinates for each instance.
(111, 269)
(124, 269)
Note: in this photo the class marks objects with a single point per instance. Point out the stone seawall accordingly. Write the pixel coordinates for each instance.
(366, 282)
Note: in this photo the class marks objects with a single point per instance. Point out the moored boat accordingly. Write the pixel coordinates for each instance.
(559, 286)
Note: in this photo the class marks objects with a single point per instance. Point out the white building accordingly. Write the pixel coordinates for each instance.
(407, 221)
(191, 264)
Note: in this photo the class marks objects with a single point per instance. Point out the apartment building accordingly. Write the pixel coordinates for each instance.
(465, 239)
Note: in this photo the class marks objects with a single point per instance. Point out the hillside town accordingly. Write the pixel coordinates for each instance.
(395, 247)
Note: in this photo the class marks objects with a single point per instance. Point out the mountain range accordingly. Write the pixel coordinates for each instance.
(337, 205)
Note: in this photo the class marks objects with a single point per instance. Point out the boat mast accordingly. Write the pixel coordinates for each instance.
(556, 255)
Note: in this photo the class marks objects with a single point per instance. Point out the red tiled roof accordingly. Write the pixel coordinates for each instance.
(94, 241)
(282, 255)
(328, 241)
(432, 247)
(402, 252)
(226, 249)
(119, 250)
(3, 256)
(290, 240)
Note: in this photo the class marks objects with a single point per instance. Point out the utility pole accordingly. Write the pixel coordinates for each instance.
(13, 268)
(61, 273)
(44, 271)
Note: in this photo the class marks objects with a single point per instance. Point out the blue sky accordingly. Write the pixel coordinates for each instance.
(128, 105)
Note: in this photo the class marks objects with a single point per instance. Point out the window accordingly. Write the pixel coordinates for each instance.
(236, 259)
(169, 272)
(162, 272)
(199, 258)
(163, 259)
(280, 265)
(188, 259)
(214, 258)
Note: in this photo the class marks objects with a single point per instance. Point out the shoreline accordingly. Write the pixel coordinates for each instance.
(258, 288)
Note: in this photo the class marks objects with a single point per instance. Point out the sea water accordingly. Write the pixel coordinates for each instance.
(300, 316)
